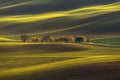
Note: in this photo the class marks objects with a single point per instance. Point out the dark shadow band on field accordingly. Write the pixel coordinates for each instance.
(91, 71)
(44, 48)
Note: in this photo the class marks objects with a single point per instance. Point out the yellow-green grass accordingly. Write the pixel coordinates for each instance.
(52, 61)
(53, 49)
(55, 67)
(109, 41)
(22, 60)
(62, 22)
(5, 39)
(80, 12)
(15, 5)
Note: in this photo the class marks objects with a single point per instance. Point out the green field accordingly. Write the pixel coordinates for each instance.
(97, 20)
(58, 61)
(92, 19)
(109, 41)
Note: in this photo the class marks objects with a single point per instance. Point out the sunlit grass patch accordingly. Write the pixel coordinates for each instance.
(26, 58)
(10, 62)
(85, 12)
(59, 65)
(62, 22)
(2, 39)
(12, 5)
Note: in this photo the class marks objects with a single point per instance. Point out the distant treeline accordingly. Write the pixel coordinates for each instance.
(70, 39)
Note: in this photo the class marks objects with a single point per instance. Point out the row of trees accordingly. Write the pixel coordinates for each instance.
(25, 38)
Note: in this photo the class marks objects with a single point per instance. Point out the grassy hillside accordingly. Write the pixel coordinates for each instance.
(109, 41)
(29, 61)
(15, 7)
(89, 20)
(95, 19)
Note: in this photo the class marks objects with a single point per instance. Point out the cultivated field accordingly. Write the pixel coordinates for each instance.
(93, 19)
(58, 61)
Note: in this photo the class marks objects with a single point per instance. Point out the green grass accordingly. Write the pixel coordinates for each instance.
(109, 41)
(27, 60)
(81, 21)
(59, 65)
(4, 39)
(59, 61)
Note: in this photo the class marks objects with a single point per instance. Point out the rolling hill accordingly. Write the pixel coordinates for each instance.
(14, 7)
(56, 61)
(53, 17)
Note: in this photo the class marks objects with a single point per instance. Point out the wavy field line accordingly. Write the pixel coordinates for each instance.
(60, 30)
(16, 5)
(4, 39)
(58, 65)
(81, 13)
